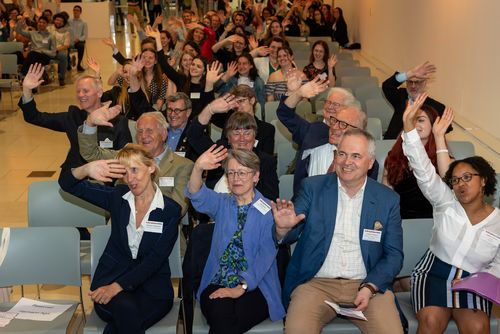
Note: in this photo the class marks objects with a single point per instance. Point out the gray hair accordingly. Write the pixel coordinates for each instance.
(364, 134)
(180, 96)
(95, 81)
(159, 118)
(243, 157)
(363, 117)
(348, 97)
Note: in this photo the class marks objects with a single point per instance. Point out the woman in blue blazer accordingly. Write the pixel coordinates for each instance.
(131, 287)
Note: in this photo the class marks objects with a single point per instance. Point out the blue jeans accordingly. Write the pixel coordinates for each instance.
(62, 59)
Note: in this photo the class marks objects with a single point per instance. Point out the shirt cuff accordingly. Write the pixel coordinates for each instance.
(88, 130)
(115, 51)
(401, 77)
(410, 137)
(26, 99)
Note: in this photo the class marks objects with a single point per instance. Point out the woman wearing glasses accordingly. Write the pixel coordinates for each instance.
(465, 239)
(240, 286)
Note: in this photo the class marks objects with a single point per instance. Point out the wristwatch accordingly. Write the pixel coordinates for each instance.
(369, 286)
(244, 285)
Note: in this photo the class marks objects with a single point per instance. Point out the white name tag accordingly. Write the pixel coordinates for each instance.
(372, 235)
(106, 143)
(181, 154)
(262, 206)
(153, 227)
(167, 181)
(195, 95)
(45, 41)
(490, 237)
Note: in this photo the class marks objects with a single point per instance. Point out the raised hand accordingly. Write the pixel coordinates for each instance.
(103, 115)
(285, 217)
(443, 122)
(252, 41)
(158, 20)
(411, 112)
(223, 104)
(103, 170)
(229, 27)
(232, 69)
(422, 71)
(94, 65)
(33, 78)
(293, 80)
(136, 66)
(109, 42)
(332, 61)
(213, 72)
(261, 51)
(211, 158)
(151, 32)
(314, 87)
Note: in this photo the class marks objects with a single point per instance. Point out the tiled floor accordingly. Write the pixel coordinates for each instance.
(25, 148)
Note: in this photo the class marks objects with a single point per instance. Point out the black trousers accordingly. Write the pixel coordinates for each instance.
(132, 312)
(232, 316)
(80, 48)
(34, 57)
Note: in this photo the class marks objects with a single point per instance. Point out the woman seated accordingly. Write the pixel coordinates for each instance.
(131, 287)
(465, 237)
(240, 286)
(276, 85)
(397, 172)
(320, 63)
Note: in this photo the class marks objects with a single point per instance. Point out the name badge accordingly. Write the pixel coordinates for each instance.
(195, 95)
(153, 227)
(167, 181)
(45, 41)
(372, 235)
(262, 206)
(106, 143)
(181, 154)
(250, 84)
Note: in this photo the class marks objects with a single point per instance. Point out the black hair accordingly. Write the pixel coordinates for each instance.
(482, 167)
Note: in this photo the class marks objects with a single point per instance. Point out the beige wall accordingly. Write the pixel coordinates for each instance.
(460, 37)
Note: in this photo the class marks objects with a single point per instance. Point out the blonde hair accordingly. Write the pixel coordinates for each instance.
(137, 153)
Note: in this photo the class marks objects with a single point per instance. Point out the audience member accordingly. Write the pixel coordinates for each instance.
(204, 37)
(397, 172)
(416, 80)
(79, 34)
(276, 85)
(153, 81)
(464, 238)
(238, 44)
(131, 287)
(317, 24)
(339, 28)
(333, 259)
(63, 39)
(267, 63)
(240, 286)
(320, 63)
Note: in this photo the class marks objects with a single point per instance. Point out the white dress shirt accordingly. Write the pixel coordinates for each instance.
(344, 258)
(135, 234)
(321, 159)
(454, 239)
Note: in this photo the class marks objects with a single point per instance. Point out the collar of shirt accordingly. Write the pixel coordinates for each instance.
(160, 157)
(360, 192)
(175, 133)
(156, 203)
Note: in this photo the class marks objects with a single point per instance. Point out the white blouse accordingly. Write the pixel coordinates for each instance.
(454, 239)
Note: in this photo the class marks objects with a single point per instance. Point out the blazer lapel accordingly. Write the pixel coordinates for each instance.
(166, 163)
(367, 218)
(125, 217)
(329, 208)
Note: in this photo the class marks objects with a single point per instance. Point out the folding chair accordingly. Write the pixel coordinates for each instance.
(9, 66)
(49, 205)
(374, 127)
(167, 325)
(381, 109)
(353, 82)
(41, 255)
(461, 149)
(382, 148)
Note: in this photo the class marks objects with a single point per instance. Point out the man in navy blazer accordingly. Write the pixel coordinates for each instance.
(349, 245)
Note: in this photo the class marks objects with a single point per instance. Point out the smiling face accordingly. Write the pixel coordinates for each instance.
(352, 161)
(58, 22)
(186, 61)
(138, 176)
(215, 22)
(149, 58)
(177, 114)
(468, 192)
(346, 119)
(187, 17)
(275, 28)
(241, 185)
(198, 35)
(239, 20)
(164, 40)
(242, 139)
(197, 68)
(239, 44)
(423, 126)
(244, 66)
(273, 47)
(317, 16)
(284, 58)
(333, 104)
(318, 52)
(189, 49)
(151, 135)
(88, 94)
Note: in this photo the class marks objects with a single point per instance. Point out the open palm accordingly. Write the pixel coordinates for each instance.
(34, 77)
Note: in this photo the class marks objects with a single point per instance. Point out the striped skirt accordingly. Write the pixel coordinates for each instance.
(431, 286)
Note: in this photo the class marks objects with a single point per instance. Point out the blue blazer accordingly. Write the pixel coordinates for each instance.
(150, 271)
(317, 199)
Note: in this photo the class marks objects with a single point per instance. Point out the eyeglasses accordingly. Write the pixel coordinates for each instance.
(242, 174)
(414, 82)
(343, 125)
(176, 111)
(244, 133)
(466, 177)
(334, 105)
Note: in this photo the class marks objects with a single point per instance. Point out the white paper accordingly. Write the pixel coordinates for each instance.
(347, 312)
(5, 318)
(29, 309)
(167, 181)
(153, 227)
(262, 206)
(372, 235)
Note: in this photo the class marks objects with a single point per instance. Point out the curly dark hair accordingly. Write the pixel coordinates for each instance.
(482, 167)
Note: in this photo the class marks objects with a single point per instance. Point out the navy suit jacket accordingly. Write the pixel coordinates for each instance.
(317, 199)
(150, 271)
